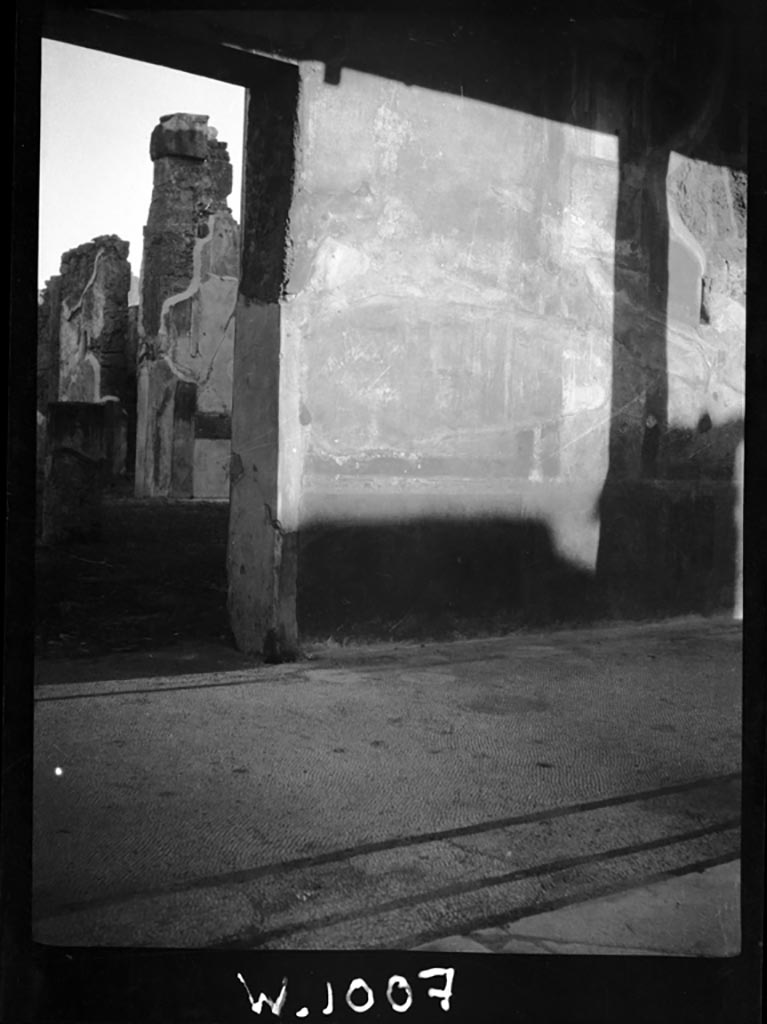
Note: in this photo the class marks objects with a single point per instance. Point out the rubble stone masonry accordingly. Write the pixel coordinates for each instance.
(188, 292)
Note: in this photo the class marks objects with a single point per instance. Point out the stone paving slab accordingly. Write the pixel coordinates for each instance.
(697, 914)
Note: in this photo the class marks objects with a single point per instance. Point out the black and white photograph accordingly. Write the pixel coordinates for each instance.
(385, 497)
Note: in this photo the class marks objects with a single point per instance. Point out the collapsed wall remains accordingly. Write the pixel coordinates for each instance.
(188, 291)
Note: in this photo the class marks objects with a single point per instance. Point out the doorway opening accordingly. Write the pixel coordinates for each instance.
(138, 266)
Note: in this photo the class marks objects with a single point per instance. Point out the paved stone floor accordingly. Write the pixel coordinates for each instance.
(394, 796)
(695, 914)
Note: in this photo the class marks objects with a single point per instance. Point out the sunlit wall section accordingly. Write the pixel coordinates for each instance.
(450, 307)
(707, 336)
(706, 303)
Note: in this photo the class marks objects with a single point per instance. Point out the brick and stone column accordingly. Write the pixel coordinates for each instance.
(188, 292)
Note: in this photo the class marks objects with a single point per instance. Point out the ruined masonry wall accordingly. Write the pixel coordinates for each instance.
(188, 292)
(93, 321)
(84, 349)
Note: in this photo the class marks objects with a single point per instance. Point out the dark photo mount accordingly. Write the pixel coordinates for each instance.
(42, 983)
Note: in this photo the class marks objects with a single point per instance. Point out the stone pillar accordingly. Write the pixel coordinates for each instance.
(188, 292)
(261, 557)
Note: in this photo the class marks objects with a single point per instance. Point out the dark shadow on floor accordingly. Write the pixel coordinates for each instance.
(154, 581)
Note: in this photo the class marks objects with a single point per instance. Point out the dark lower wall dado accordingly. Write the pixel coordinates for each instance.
(377, 564)
(432, 577)
(667, 548)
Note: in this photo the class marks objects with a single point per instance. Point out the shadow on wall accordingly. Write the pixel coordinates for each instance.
(666, 547)
(435, 578)
(669, 546)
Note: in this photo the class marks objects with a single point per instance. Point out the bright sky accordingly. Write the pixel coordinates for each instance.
(97, 114)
